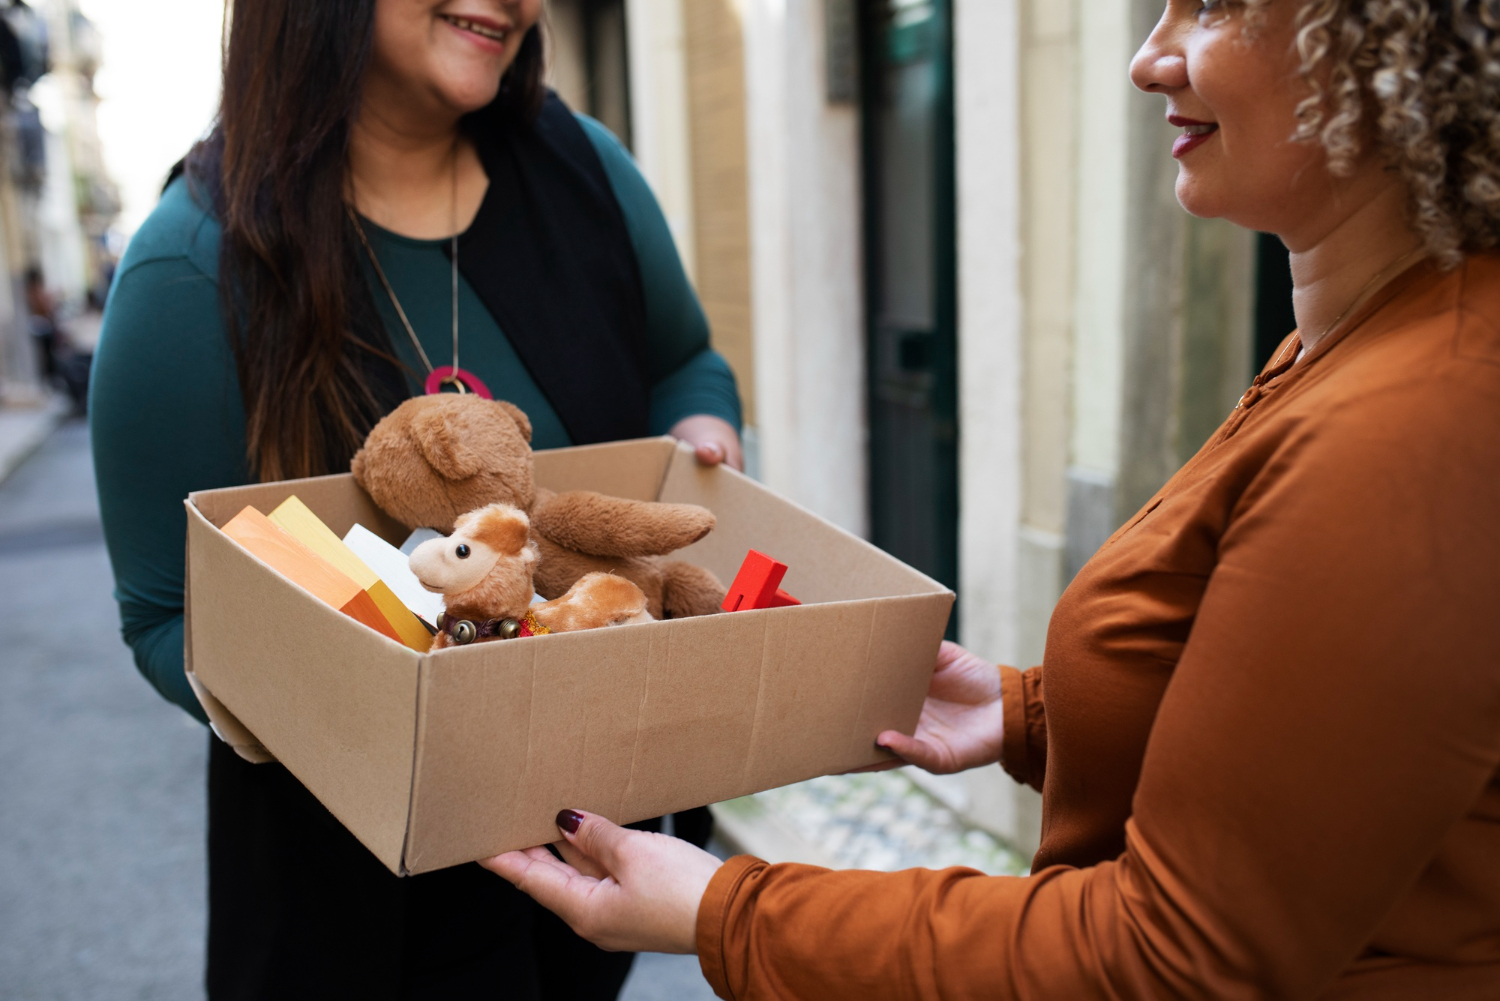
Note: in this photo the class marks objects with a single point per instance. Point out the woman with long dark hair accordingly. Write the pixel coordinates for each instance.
(390, 201)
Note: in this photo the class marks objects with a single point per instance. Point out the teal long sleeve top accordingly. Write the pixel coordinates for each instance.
(165, 410)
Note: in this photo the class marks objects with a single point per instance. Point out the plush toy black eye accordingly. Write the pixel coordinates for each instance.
(462, 551)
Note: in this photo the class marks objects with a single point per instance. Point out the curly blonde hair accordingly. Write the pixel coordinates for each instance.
(1420, 79)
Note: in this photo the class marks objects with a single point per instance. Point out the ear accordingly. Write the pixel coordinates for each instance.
(442, 443)
(519, 416)
(464, 523)
(501, 527)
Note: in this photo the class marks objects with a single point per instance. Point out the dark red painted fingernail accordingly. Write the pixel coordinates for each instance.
(569, 820)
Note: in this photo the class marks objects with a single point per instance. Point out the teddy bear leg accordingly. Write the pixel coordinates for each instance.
(560, 568)
(688, 590)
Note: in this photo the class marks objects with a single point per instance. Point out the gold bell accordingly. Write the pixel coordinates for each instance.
(464, 632)
(509, 629)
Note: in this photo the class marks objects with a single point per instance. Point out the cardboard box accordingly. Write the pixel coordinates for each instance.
(437, 759)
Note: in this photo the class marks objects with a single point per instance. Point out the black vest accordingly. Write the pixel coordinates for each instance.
(550, 256)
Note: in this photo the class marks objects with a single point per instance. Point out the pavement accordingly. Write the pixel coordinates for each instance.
(24, 428)
(102, 870)
(873, 820)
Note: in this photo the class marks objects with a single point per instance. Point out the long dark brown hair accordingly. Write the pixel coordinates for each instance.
(299, 314)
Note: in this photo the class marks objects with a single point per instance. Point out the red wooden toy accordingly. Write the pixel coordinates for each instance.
(758, 585)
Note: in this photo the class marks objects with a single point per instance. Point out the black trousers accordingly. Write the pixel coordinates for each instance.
(297, 908)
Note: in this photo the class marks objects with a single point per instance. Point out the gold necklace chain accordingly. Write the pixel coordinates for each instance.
(391, 292)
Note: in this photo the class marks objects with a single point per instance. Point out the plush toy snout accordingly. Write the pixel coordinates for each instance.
(480, 540)
(445, 566)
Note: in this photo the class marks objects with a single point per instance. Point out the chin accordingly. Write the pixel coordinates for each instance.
(1198, 198)
(1261, 207)
(468, 95)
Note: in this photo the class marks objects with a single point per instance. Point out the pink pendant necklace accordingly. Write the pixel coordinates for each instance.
(438, 379)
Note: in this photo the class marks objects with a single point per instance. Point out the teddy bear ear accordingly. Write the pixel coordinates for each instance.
(442, 443)
(519, 416)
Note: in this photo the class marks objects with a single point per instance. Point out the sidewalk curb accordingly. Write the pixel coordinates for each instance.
(22, 432)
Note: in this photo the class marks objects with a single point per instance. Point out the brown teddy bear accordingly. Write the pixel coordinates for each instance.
(436, 457)
(484, 570)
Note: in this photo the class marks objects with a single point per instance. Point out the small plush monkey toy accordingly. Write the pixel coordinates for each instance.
(484, 571)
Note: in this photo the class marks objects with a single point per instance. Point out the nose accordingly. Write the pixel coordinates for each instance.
(1160, 65)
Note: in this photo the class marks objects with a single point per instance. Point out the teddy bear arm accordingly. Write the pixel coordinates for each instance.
(601, 525)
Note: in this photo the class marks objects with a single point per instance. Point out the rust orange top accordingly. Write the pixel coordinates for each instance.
(1266, 729)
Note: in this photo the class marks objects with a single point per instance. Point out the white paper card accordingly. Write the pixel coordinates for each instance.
(418, 537)
(392, 566)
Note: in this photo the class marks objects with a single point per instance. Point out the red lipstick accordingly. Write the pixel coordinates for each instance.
(1195, 134)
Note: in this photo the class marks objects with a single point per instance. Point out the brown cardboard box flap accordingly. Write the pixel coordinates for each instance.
(228, 729)
(332, 699)
(440, 759)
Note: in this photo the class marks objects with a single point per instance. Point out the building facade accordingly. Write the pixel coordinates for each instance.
(56, 199)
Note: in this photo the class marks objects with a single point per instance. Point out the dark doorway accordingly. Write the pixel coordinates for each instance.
(599, 27)
(1274, 318)
(911, 284)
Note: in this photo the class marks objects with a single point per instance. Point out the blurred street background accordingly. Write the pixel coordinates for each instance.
(937, 241)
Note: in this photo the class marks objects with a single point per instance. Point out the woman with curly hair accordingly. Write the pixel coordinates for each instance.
(1267, 726)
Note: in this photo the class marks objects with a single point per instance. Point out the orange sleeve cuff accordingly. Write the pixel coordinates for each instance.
(1023, 724)
(713, 911)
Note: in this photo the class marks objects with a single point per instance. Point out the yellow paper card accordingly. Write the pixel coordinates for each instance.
(297, 520)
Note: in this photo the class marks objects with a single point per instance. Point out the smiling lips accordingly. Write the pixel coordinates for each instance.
(1194, 134)
(493, 33)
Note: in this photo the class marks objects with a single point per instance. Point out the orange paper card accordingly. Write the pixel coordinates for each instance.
(302, 566)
